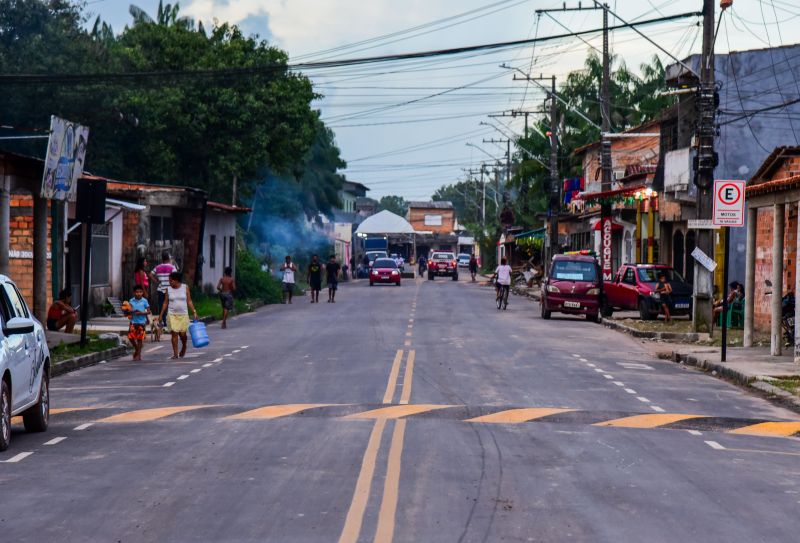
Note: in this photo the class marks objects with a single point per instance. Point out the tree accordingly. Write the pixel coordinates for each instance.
(199, 131)
(396, 204)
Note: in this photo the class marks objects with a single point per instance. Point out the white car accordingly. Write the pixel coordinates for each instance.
(24, 365)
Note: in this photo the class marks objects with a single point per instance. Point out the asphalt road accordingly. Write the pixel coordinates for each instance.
(411, 414)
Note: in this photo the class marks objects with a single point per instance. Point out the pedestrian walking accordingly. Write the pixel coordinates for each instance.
(332, 269)
(139, 309)
(177, 303)
(160, 275)
(315, 278)
(288, 269)
(473, 266)
(226, 287)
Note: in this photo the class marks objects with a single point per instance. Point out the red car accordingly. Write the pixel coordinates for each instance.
(384, 270)
(441, 263)
(634, 288)
(572, 287)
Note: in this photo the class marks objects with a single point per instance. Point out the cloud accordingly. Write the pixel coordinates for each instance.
(304, 26)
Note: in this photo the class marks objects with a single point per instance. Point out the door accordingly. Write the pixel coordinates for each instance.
(630, 294)
(19, 348)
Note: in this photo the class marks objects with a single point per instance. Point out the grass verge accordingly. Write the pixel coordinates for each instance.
(789, 384)
(95, 345)
(209, 306)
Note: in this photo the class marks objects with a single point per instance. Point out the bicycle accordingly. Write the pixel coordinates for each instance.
(502, 296)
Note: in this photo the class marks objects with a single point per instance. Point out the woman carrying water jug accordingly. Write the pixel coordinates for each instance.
(177, 303)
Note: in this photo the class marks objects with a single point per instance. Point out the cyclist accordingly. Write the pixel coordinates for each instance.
(503, 284)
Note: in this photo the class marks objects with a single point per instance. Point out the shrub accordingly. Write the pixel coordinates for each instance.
(253, 283)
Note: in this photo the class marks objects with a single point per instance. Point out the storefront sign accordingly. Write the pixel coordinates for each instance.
(606, 248)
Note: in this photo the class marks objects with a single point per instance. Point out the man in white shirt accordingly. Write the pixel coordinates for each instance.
(503, 276)
(288, 269)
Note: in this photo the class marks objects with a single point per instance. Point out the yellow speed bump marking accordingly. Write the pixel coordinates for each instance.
(647, 421)
(275, 411)
(513, 416)
(778, 429)
(396, 411)
(146, 415)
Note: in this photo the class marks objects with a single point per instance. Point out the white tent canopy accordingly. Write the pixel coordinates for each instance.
(385, 222)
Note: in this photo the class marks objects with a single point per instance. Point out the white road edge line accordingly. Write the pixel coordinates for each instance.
(227, 355)
(656, 408)
(608, 376)
(83, 426)
(640, 398)
(237, 351)
(55, 441)
(630, 391)
(16, 458)
(169, 384)
(152, 349)
(218, 359)
(715, 445)
(619, 383)
(599, 370)
(182, 377)
(208, 365)
(591, 365)
(196, 370)
(245, 346)
(695, 432)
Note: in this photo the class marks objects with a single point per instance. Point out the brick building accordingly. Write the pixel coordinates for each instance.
(20, 254)
(773, 197)
(435, 226)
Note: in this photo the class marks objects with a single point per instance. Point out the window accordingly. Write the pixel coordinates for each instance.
(433, 220)
(650, 275)
(629, 277)
(571, 270)
(15, 303)
(101, 254)
(160, 229)
(212, 252)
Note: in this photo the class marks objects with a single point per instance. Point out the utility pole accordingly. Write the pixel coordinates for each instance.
(705, 163)
(515, 113)
(606, 247)
(507, 141)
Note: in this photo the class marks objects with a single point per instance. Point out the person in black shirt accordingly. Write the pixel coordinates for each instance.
(315, 278)
(332, 268)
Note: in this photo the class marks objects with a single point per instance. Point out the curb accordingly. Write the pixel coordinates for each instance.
(531, 295)
(91, 359)
(718, 369)
(691, 337)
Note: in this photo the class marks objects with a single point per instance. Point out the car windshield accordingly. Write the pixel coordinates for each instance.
(650, 275)
(443, 256)
(573, 270)
(385, 263)
(463, 257)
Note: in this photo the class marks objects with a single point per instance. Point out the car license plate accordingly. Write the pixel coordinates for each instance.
(384, 277)
(574, 305)
(682, 305)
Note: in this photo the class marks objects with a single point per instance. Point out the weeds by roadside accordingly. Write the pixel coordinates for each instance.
(65, 352)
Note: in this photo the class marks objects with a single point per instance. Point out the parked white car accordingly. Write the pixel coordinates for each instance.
(24, 365)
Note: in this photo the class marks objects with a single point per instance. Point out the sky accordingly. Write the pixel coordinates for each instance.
(403, 128)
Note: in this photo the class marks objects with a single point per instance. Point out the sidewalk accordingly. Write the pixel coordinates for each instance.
(751, 366)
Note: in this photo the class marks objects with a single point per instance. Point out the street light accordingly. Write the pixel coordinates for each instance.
(481, 149)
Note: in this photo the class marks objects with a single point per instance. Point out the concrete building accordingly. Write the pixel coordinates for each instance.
(349, 195)
(219, 242)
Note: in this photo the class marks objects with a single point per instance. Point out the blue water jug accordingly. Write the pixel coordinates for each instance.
(199, 335)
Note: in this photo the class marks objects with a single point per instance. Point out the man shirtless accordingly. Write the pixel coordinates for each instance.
(226, 287)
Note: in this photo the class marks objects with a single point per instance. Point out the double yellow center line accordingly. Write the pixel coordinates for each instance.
(391, 486)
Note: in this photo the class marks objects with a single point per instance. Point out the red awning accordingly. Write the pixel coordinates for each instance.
(614, 226)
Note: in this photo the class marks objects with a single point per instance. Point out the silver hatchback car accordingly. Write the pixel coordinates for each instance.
(24, 365)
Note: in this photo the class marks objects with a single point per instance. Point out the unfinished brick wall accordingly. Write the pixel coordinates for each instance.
(187, 224)
(764, 223)
(20, 262)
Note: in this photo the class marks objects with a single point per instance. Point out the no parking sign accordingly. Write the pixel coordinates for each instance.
(729, 203)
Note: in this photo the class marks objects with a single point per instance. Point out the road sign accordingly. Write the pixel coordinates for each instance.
(729, 203)
(707, 262)
(702, 224)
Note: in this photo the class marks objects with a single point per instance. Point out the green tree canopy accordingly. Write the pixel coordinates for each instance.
(396, 204)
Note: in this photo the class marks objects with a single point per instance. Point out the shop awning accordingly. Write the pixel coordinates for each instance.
(626, 191)
(615, 227)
